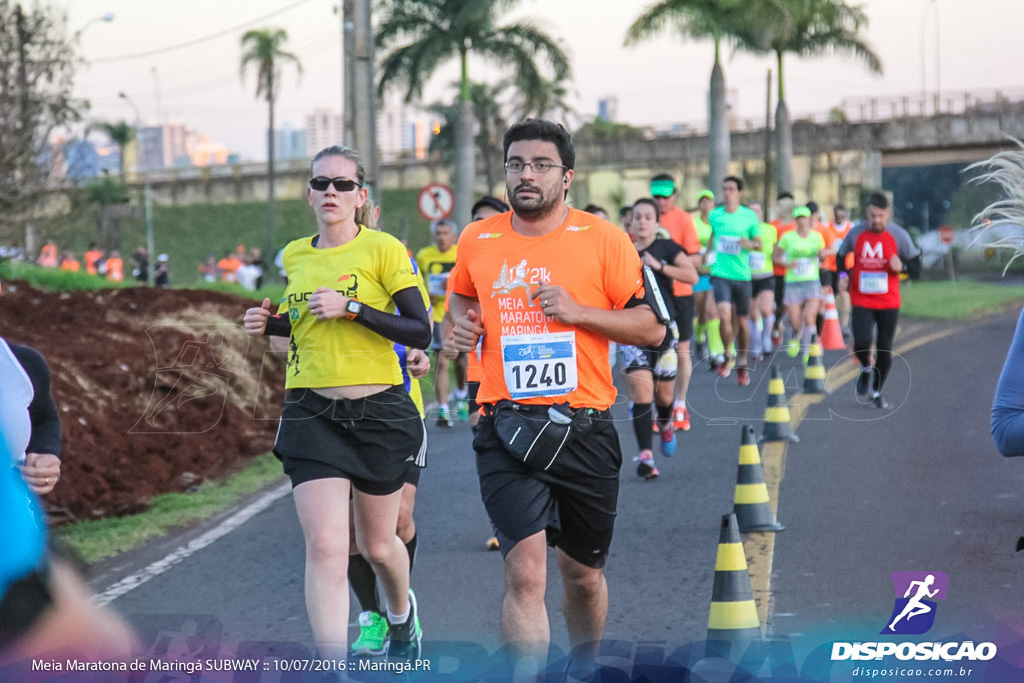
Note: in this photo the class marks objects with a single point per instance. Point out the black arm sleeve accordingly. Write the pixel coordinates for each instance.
(46, 433)
(411, 328)
(278, 326)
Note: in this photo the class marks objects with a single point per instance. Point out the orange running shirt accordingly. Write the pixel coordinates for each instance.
(589, 257)
(834, 236)
(91, 257)
(782, 229)
(680, 226)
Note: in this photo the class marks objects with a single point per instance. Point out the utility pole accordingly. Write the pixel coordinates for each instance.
(23, 118)
(365, 110)
(348, 70)
(767, 146)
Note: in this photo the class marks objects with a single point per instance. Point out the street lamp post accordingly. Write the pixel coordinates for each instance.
(924, 26)
(147, 190)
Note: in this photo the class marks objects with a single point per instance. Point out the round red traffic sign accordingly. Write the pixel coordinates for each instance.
(436, 201)
(946, 234)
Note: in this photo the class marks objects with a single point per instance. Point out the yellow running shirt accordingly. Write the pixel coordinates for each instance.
(335, 353)
(435, 266)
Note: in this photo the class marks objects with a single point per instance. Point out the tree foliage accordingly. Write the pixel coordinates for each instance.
(36, 78)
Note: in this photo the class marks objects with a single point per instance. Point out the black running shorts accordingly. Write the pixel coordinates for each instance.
(763, 284)
(735, 292)
(574, 501)
(684, 316)
(371, 441)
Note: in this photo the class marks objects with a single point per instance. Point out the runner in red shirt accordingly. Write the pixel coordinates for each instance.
(881, 251)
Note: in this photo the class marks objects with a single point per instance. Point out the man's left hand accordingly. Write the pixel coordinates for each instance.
(41, 472)
(557, 303)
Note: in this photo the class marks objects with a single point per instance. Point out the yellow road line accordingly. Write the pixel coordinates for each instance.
(760, 545)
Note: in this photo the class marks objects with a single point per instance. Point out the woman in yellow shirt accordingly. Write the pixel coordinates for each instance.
(348, 425)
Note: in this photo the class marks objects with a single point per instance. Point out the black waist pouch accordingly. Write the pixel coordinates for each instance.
(536, 435)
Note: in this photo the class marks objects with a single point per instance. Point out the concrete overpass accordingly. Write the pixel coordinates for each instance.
(835, 154)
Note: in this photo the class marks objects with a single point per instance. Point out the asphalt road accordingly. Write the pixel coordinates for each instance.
(863, 494)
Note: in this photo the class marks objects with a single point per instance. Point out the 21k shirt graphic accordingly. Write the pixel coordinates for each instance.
(915, 594)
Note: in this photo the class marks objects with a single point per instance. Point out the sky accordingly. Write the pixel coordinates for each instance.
(180, 61)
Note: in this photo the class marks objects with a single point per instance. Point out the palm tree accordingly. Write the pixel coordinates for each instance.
(701, 19)
(264, 49)
(120, 133)
(492, 122)
(542, 99)
(420, 35)
(805, 28)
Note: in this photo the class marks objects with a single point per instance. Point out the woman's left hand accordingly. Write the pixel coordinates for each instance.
(327, 304)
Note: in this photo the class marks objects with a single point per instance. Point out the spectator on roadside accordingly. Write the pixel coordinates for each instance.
(115, 267)
(140, 264)
(228, 267)
(208, 269)
(161, 274)
(48, 255)
(93, 255)
(256, 260)
(69, 262)
(248, 274)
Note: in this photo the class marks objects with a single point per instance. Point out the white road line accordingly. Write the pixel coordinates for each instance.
(160, 566)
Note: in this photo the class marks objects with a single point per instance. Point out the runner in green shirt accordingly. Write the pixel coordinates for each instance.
(762, 288)
(735, 230)
(801, 251)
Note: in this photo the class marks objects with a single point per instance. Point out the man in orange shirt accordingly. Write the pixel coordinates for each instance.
(681, 228)
(228, 267)
(837, 229)
(91, 257)
(115, 267)
(783, 222)
(545, 321)
(69, 262)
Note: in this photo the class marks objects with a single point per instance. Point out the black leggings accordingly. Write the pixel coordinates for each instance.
(863, 322)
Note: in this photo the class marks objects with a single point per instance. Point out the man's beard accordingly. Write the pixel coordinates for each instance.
(534, 207)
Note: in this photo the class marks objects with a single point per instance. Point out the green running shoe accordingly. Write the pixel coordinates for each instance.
(373, 635)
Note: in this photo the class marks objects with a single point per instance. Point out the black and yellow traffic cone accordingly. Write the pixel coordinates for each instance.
(751, 506)
(776, 415)
(733, 616)
(814, 374)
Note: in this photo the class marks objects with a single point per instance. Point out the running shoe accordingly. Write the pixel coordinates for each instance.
(725, 367)
(681, 418)
(645, 465)
(444, 417)
(743, 376)
(404, 639)
(373, 635)
(793, 348)
(878, 401)
(776, 337)
(864, 382)
(462, 409)
(668, 442)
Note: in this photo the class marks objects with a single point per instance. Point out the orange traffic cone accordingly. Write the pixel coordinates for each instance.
(831, 333)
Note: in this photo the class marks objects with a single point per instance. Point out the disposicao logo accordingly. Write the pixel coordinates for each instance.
(913, 613)
(916, 592)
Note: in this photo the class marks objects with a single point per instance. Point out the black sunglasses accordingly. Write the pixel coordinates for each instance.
(320, 184)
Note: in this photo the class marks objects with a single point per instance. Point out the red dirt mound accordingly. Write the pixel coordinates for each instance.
(157, 390)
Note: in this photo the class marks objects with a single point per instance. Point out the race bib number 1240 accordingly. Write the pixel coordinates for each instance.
(539, 365)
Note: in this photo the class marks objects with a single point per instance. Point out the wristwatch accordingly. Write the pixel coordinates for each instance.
(353, 308)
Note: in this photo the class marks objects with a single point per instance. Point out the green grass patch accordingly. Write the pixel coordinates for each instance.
(103, 538)
(55, 279)
(958, 300)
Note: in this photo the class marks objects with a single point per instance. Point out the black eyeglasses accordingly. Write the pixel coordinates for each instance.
(320, 184)
(538, 165)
